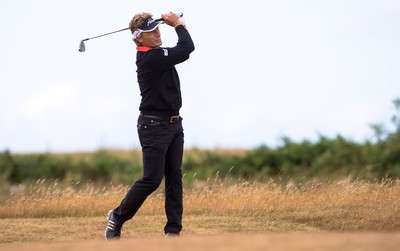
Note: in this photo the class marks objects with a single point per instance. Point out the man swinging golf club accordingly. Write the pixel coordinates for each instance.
(159, 124)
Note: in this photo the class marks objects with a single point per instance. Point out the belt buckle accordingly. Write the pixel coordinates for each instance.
(174, 119)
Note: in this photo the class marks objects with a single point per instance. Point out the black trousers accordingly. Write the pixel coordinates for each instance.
(162, 152)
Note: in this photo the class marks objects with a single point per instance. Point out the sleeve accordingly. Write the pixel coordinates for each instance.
(167, 57)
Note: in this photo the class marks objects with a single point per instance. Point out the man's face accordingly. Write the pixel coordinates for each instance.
(151, 39)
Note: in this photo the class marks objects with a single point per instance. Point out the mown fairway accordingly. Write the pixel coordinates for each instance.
(233, 215)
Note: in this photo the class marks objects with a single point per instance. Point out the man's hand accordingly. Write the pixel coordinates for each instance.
(171, 19)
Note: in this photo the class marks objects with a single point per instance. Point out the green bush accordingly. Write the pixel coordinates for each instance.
(335, 157)
(325, 158)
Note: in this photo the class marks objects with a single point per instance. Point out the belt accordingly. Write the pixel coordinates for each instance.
(169, 119)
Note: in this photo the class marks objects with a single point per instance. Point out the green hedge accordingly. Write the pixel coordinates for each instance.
(326, 158)
(100, 166)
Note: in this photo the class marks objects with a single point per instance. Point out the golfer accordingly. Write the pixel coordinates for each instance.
(159, 124)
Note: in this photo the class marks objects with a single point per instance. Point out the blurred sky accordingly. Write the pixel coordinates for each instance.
(261, 70)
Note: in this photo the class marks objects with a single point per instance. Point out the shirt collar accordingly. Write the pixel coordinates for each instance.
(143, 48)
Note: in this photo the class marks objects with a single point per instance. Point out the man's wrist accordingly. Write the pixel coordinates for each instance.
(177, 24)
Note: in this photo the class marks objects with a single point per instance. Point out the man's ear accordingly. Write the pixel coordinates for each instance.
(139, 39)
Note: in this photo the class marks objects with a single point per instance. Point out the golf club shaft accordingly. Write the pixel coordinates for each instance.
(82, 44)
(157, 20)
(105, 34)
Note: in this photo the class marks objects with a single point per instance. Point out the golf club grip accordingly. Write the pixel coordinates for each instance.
(179, 14)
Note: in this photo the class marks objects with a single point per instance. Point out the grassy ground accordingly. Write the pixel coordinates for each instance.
(57, 213)
(255, 242)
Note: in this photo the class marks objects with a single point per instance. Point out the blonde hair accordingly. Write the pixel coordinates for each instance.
(137, 21)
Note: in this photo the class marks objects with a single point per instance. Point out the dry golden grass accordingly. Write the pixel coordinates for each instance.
(59, 213)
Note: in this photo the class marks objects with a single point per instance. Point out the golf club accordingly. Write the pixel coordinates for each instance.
(82, 47)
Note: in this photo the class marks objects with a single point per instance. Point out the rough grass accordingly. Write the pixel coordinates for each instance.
(58, 212)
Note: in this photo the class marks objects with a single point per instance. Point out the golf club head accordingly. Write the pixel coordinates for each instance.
(82, 47)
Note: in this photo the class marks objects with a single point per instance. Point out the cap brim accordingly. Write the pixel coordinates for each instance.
(152, 27)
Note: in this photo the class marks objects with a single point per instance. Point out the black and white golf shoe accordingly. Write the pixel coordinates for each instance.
(114, 227)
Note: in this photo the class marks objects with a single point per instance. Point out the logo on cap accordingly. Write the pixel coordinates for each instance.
(150, 21)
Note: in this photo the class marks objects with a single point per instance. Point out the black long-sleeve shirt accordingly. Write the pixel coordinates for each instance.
(157, 77)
